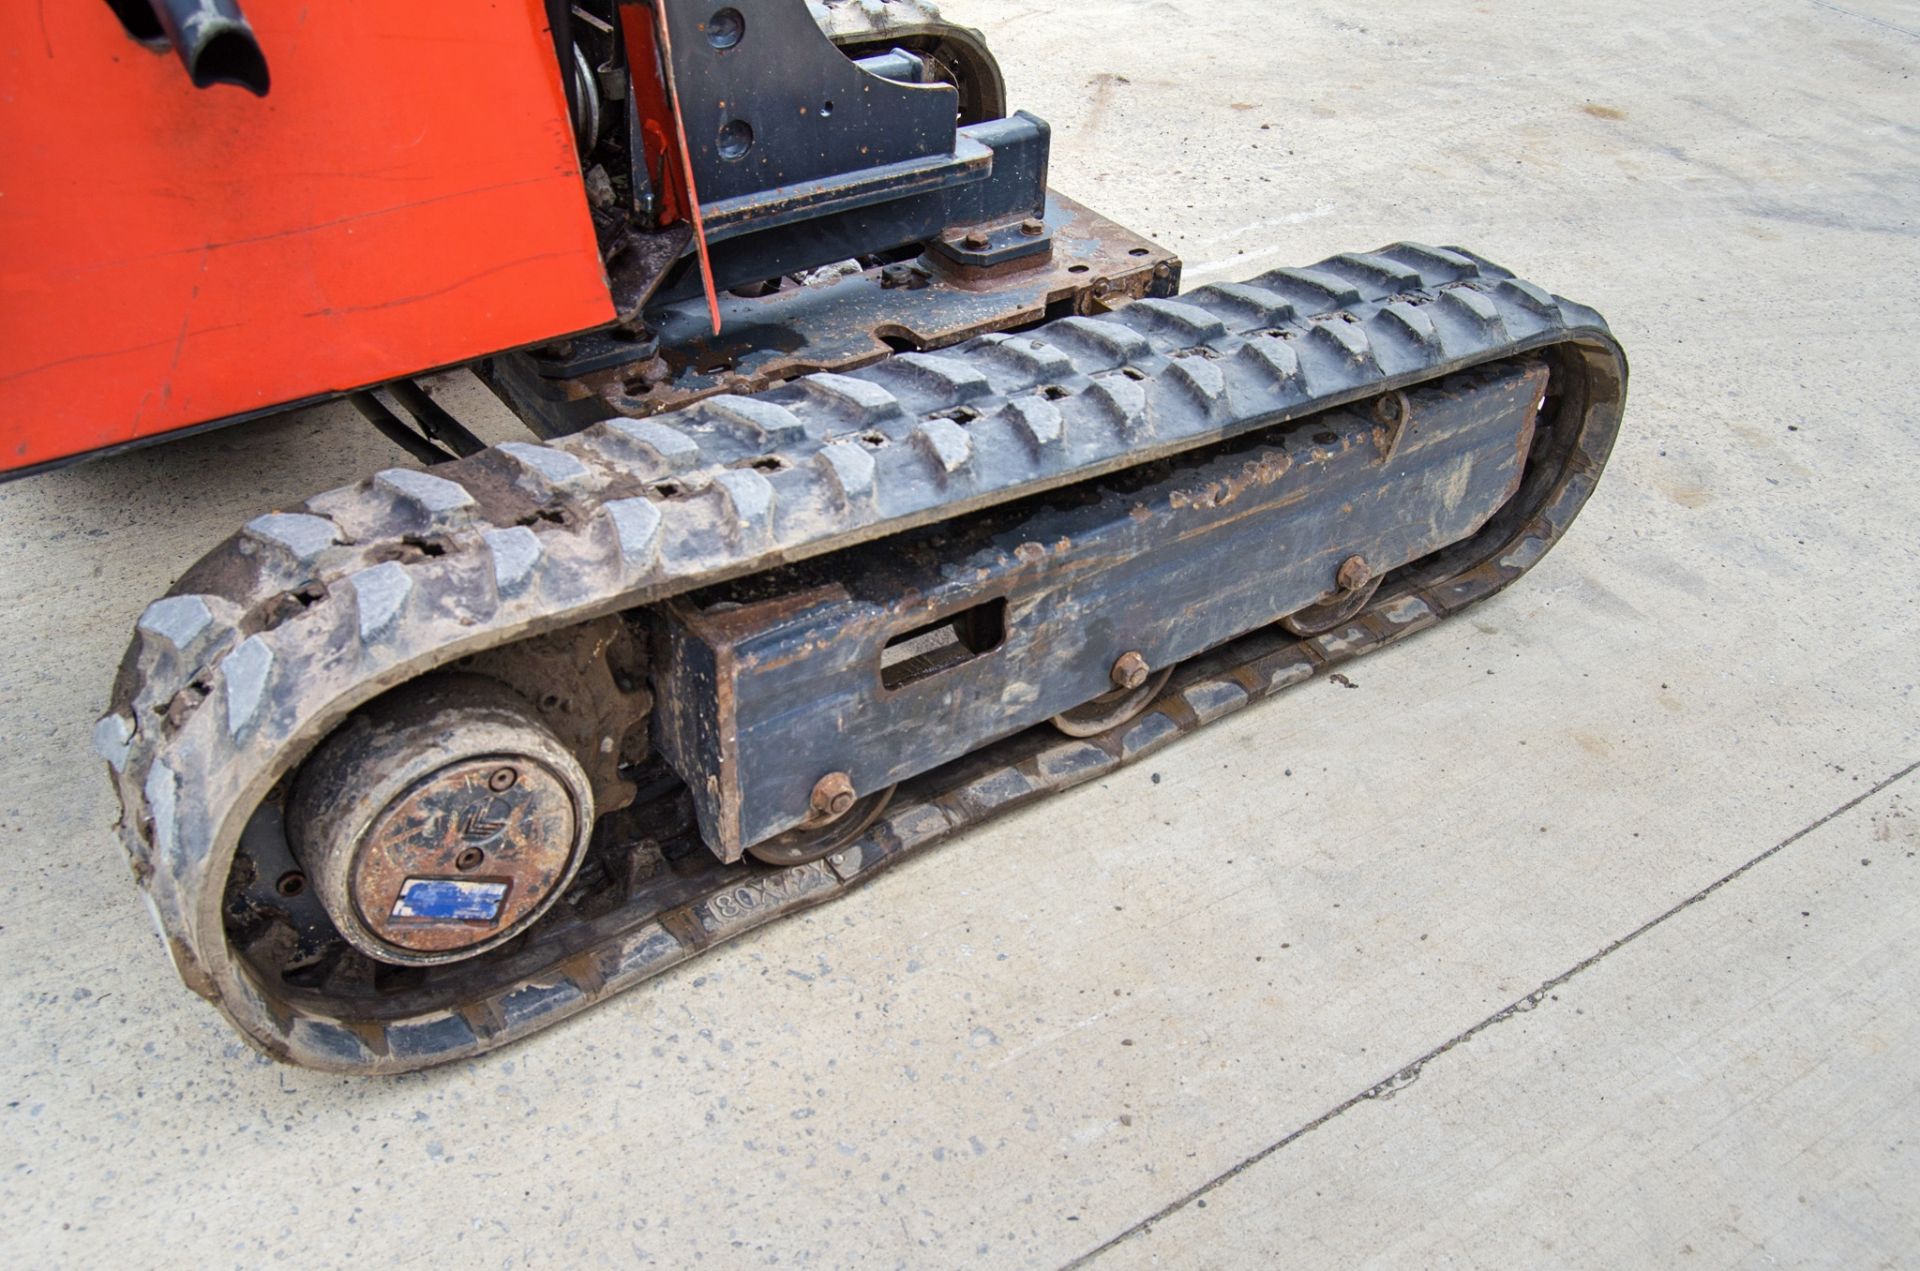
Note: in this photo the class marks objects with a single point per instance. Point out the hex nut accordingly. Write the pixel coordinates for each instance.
(833, 795)
(1130, 671)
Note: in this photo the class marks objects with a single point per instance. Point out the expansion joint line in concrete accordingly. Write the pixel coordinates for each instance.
(1401, 1078)
(1868, 18)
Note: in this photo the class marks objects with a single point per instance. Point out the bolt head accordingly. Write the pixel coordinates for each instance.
(833, 795)
(975, 241)
(1101, 287)
(1353, 574)
(1033, 227)
(1387, 409)
(1129, 671)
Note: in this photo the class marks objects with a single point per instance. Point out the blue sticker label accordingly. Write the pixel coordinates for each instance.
(454, 899)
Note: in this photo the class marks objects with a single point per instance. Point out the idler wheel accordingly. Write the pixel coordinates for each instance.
(1356, 583)
(1110, 710)
(440, 821)
(823, 833)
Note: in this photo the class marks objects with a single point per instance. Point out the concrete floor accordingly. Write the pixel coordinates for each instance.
(1577, 932)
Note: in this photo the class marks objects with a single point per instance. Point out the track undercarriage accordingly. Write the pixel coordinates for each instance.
(442, 757)
(1170, 481)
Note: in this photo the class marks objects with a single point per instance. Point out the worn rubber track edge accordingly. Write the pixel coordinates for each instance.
(269, 642)
(849, 20)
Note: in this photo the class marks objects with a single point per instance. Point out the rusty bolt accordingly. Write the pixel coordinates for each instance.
(1387, 409)
(469, 860)
(975, 241)
(1353, 574)
(1163, 270)
(1101, 287)
(1033, 227)
(1129, 670)
(833, 794)
(502, 779)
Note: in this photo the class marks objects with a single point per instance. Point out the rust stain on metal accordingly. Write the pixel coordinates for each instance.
(832, 795)
(509, 844)
(1265, 470)
(1129, 670)
(1353, 573)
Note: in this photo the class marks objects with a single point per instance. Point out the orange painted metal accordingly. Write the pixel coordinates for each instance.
(659, 121)
(406, 197)
(664, 132)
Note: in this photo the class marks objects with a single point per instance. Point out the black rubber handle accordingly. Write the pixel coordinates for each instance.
(215, 43)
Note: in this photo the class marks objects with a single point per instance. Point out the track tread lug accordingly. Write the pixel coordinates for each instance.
(1036, 419)
(1202, 379)
(849, 468)
(1244, 303)
(1124, 402)
(162, 789)
(1029, 360)
(545, 469)
(112, 738)
(178, 622)
(1182, 325)
(1537, 299)
(1348, 339)
(516, 553)
(435, 500)
(1380, 272)
(636, 530)
(758, 422)
(1104, 344)
(1272, 358)
(1431, 261)
(380, 594)
(1311, 290)
(1413, 320)
(668, 449)
(246, 671)
(945, 443)
(1476, 305)
(933, 381)
(298, 538)
(749, 499)
(862, 402)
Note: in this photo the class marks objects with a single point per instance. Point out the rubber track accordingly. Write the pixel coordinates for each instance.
(872, 23)
(859, 21)
(281, 631)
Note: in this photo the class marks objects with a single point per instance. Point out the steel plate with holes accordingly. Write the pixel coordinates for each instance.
(926, 303)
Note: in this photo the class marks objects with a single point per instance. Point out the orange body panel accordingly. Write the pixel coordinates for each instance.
(406, 197)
